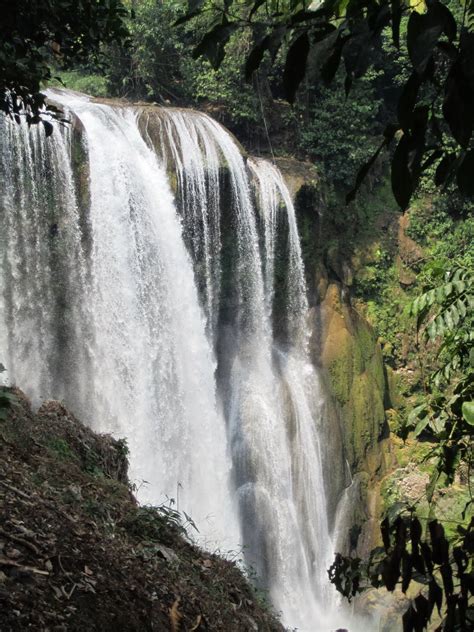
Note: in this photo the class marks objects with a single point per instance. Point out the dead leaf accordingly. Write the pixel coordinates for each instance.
(175, 616)
(197, 624)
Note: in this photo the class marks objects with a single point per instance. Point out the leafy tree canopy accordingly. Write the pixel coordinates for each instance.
(36, 36)
(435, 114)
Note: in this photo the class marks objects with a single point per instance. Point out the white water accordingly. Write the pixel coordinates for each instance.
(167, 328)
(303, 502)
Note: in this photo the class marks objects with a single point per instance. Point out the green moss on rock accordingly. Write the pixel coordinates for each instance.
(356, 379)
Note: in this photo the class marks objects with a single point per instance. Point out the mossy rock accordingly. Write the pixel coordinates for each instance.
(353, 360)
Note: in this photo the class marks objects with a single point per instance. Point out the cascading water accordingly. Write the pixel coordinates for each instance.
(181, 326)
(149, 363)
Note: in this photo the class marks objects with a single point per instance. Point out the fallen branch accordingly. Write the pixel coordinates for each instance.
(15, 490)
(18, 540)
(4, 561)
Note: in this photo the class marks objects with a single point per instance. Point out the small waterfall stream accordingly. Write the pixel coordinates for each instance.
(178, 319)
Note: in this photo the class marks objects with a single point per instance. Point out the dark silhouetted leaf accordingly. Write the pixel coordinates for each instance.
(48, 128)
(415, 531)
(465, 179)
(435, 596)
(447, 575)
(439, 544)
(396, 19)
(458, 107)
(422, 609)
(427, 556)
(188, 16)
(295, 66)
(363, 171)
(255, 58)
(444, 168)
(347, 85)
(391, 570)
(407, 101)
(385, 530)
(423, 33)
(331, 64)
(194, 5)
(408, 620)
(213, 43)
(406, 571)
(306, 16)
(402, 185)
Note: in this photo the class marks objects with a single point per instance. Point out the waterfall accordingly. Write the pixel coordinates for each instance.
(171, 309)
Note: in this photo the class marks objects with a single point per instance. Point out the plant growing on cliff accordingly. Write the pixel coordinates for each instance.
(7, 400)
(443, 571)
(445, 318)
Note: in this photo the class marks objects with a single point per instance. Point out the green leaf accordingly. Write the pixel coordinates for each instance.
(454, 314)
(417, 412)
(421, 425)
(448, 289)
(430, 487)
(459, 286)
(188, 16)
(256, 6)
(468, 412)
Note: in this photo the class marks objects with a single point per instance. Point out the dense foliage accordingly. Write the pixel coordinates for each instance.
(157, 65)
(37, 36)
(435, 112)
(445, 316)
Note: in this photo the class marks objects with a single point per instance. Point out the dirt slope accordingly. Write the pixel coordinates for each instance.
(77, 553)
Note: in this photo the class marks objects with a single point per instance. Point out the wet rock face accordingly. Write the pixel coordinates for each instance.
(345, 349)
(353, 361)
